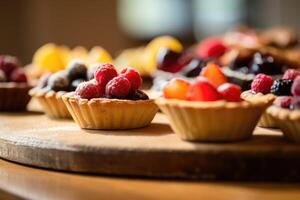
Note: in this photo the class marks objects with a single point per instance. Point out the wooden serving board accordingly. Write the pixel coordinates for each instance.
(155, 151)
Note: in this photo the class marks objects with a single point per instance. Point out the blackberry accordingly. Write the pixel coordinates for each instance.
(138, 95)
(266, 64)
(282, 87)
(193, 68)
(73, 85)
(76, 70)
(58, 81)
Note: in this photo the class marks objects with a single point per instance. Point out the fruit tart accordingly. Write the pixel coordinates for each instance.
(14, 85)
(265, 85)
(209, 109)
(51, 88)
(286, 112)
(111, 100)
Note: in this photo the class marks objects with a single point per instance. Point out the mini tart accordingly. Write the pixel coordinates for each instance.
(14, 96)
(104, 113)
(51, 102)
(216, 121)
(266, 120)
(288, 121)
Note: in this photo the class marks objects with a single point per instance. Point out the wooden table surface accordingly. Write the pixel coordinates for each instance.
(33, 183)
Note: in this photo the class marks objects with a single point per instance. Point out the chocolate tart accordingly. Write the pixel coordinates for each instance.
(51, 102)
(104, 113)
(14, 96)
(216, 121)
(288, 121)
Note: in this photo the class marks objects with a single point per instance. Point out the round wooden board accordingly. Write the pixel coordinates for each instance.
(33, 139)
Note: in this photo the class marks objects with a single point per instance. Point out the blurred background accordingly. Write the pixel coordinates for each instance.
(118, 24)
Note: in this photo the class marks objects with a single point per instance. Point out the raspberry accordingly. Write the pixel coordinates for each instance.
(282, 87)
(88, 90)
(203, 90)
(213, 72)
(118, 87)
(176, 89)
(230, 92)
(291, 74)
(296, 87)
(8, 64)
(104, 73)
(211, 48)
(283, 101)
(261, 84)
(58, 81)
(76, 69)
(134, 78)
(18, 75)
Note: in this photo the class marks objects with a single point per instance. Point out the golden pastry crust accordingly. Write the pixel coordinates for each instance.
(103, 113)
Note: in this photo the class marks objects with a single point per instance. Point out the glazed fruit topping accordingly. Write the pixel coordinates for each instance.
(88, 90)
(176, 89)
(282, 87)
(213, 72)
(262, 84)
(291, 74)
(202, 90)
(211, 48)
(134, 78)
(283, 101)
(296, 87)
(138, 95)
(230, 92)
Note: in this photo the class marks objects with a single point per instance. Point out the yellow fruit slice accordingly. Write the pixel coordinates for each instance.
(98, 54)
(151, 50)
(78, 52)
(48, 58)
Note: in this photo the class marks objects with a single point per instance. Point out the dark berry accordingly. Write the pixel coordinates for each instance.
(261, 84)
(2, 76)
(283, 101)
(8, 64)
(74, 84)
(118, 87)
(88, 90)
(59, 81)
(134, 78)
(18, 76)
(167, 60)
(138, 95)
(266, 64)
(296, 87)
(43, 80)
(76, 70)
(193, 68)
(282, 87)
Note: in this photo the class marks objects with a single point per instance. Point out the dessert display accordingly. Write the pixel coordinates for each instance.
(51, 88)
(53, 58)
(111, 100)
(264, 84)
(14, 85)
(196, 109)
(285, 111)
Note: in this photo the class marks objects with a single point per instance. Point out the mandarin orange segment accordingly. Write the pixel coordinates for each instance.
(213, 73)
(99, 55)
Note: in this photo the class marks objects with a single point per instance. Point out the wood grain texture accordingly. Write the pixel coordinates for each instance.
(154, 151)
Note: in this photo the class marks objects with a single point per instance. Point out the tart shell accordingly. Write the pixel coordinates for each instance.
(14, 96)
(288, 121)
(103, 113)
(217, 121)
(51, 103)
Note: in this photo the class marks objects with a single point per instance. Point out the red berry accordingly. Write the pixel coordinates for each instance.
(296, 86)
(283, 101)
(104, 73)
(176, 89)
(213, 72)
(118, 87)
(230, 92)
(203, 90)
(18, 75)
(262, 84)
(134, 78)
(291, 74)
(88, 90)
(8, 64)
(211, 48)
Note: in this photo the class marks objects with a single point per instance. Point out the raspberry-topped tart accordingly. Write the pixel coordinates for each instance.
(14, 85)
(209, 108)
(51, 88)
(111, 100)
(286, 112)
(265, 85)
